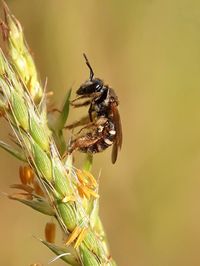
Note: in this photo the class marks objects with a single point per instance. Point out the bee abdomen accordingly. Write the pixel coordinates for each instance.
(104, 138)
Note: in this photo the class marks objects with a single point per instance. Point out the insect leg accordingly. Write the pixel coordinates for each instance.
(83, 142)
(99, 122)
(83, 121)
(81, 104)
(89, 139)
(80, 97)
(90, 112)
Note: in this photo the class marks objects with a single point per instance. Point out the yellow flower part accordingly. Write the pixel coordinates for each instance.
(50, 232)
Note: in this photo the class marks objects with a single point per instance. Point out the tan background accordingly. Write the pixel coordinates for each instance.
(149, 51)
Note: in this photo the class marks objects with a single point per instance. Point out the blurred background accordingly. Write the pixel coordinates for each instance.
(149, 52)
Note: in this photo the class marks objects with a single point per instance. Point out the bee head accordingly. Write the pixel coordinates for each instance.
(90, 86)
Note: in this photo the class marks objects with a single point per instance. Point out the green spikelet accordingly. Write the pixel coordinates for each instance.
(20, 110)
(42, 162)
(57, 189)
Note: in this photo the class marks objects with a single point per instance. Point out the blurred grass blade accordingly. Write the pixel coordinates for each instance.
(12, 151)
(58, 126)
(87, 166)
(64, 113)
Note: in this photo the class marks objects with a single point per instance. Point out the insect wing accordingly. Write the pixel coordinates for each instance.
(118, 141)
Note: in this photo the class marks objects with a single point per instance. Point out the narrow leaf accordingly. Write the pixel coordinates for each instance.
(58, 125)
(69, 258)
(64, 113)
(37, 204)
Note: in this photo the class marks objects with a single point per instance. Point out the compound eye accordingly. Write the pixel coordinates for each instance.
(98, 87)
(87, 88)
(98, 84)
(90, 87)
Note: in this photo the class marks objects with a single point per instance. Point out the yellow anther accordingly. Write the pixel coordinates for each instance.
(50, 232)
(90, 177)
(80, 192)
(73, 235)
(68, 198)
(21, 175)
(87, 192)
(29, 174)
(83, 191)
(80, 237)
(94, 194)
(87, 180)
(81, 177)
(26, 175)
(38, 189)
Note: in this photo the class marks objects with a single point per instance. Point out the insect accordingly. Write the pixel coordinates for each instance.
(102, 126)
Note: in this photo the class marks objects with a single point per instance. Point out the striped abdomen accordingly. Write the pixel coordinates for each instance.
(97, 140)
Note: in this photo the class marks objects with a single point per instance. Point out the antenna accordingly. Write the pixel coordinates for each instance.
(89, 66)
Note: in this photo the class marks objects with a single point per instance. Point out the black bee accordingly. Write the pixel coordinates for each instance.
(102, 125)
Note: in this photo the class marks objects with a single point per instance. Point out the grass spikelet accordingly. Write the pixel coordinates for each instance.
(20, 55)
(49, 184)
